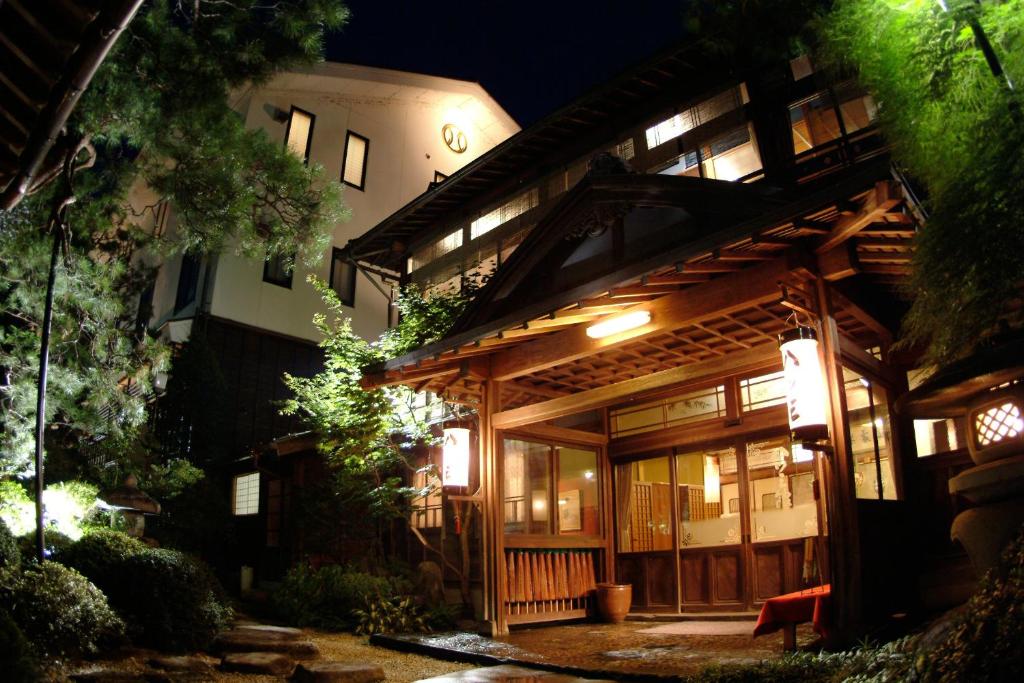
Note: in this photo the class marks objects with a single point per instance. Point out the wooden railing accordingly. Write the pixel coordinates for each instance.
(548, 585)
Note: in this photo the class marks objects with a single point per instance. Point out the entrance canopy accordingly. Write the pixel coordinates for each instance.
(720, 267)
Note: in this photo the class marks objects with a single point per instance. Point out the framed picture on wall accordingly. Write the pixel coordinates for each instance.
(569, 511)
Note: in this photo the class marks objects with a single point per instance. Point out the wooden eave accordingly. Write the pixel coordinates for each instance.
(660, 83)
(717, 299)
(49, 52)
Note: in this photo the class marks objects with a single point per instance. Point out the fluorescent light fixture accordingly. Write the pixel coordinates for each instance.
(618, 323)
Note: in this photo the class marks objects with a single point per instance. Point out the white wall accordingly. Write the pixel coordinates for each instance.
(403, 122)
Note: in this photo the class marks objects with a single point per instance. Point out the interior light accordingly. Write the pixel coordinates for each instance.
(589, 474)
(618, 323)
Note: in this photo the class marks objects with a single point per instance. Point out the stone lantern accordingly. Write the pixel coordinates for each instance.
(133, 504)
(987, 390)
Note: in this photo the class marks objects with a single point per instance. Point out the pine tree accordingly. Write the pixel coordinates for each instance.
(157, 112)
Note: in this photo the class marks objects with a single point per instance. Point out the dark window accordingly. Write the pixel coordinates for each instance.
(353, 166)
(299, 135)
(188, 281)
(440, 177)
(145, 310)
(343, 277)
(277, 270)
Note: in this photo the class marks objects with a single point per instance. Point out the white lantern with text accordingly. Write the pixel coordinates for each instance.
(455, 457)
(806, 398)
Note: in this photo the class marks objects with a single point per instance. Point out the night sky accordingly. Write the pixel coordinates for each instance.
(531, 56)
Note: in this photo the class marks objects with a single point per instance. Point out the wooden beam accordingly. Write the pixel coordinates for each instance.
(616, 393)
(751, 287)
(536, 391)
(881, 201)
(838, 263)
(393, 377)
(546, 431)
(869, 321)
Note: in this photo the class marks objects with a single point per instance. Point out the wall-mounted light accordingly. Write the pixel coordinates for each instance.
(806, 398)
(618, 323)
(455, 457)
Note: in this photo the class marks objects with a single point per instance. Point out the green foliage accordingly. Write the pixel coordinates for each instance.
(948, 120)
(54, 544)
(362, 433)
(396, 614)
(16, 653)
(326, 597)
(985, 644)
(60, 611)
(229, 188)
(10, 556)
(170, 600)
(16, 508)
(100, 555)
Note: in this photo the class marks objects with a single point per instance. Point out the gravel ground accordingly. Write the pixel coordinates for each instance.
(398, 667)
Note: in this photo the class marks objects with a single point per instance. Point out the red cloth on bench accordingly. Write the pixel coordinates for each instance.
(811, 605)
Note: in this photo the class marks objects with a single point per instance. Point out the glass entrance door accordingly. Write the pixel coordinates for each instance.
(718, 528)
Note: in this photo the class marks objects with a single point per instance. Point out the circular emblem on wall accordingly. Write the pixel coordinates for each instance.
(454, 138)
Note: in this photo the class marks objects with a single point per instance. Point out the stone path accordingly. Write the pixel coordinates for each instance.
(507, 673)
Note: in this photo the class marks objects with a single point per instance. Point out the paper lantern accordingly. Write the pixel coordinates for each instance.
(806, 398)
(455, 457)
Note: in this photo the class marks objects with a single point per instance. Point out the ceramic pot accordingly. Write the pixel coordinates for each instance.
(613, 600)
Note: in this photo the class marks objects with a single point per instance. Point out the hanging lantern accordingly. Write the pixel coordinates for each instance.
(806, 399)
(455, 457)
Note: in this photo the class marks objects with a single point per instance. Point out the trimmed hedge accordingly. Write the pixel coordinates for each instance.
(60, 611)
(19, 666)
(170, 600)
(10, 556)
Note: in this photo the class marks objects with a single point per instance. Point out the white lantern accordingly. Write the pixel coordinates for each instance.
(806, 398)
(455, 457)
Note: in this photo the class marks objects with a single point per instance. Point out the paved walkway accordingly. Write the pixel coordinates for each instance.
(629, 651)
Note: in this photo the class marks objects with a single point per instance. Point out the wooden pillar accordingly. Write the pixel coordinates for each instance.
(493, 536)
(841, 500)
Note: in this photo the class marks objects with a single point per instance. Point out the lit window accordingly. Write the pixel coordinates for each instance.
(353, 168)
(435, 250)
(624, 150)
(343, 277)
(504, 213)
(731, 156)
(427, 511)
(246, 499)
(702, 404)
(277, 270)
(697, 115)
(867, 416)
(299, 135)
(762, 392)
(439, 177)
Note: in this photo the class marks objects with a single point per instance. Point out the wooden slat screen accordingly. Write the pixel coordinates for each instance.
(544, 585)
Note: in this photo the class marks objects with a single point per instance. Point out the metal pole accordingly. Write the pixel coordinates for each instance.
(44, 364)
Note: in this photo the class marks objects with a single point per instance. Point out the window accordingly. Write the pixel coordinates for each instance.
(816, 120)
(277, 270)
(427, 511)
(532, 507)
(697, 115)
(694, 406)
(731, 156)
(709, 497)
(188, 282)
(343, 277)
(439, 177)
(867, 406)
(246, 498)
(299, 135)
(503, 214)
(353, 167)
(435, 250)
(644, 507)
(781, 481)
(145, 309)
(762, 392)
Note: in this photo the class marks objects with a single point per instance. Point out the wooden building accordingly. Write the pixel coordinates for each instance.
(721, 211)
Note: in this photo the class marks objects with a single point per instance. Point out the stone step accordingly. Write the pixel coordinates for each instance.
(337, 672)
(267, 663)
(284, 631)
(112, 676)
(509, 673)
(248, 640)
(182, 664)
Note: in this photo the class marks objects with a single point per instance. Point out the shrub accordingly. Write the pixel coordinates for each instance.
(985, 644)
(326, 597)
(170, 600)
(10, 556)
(55, 541)
(390, 615)
(99, 555)
(60, 611)
(15, 652)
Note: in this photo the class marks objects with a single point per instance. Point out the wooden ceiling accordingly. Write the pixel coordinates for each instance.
(727, 302)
